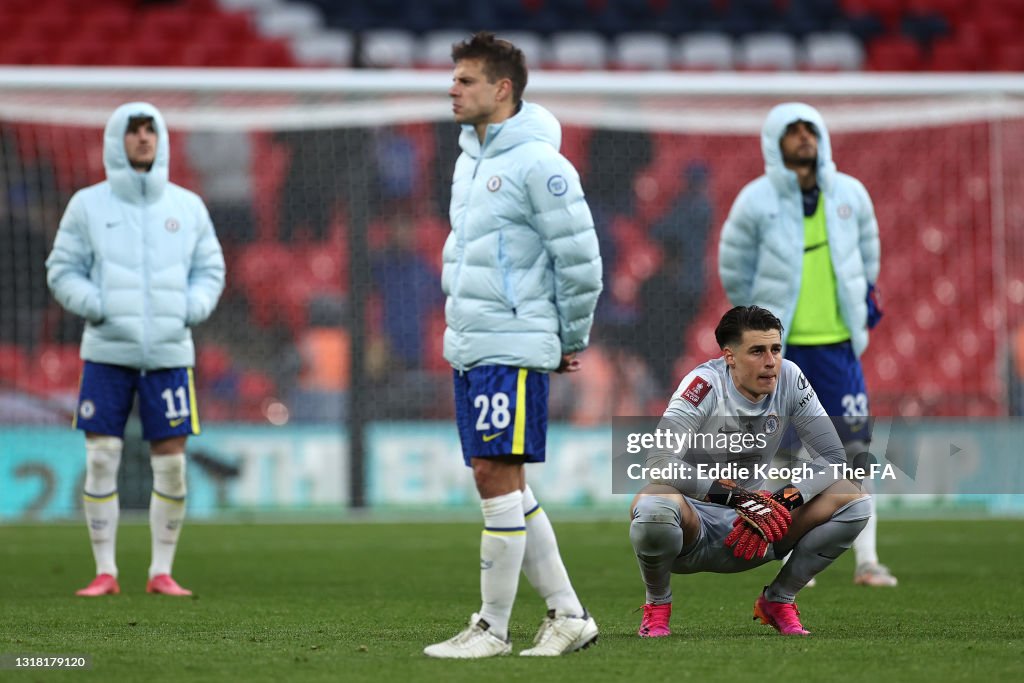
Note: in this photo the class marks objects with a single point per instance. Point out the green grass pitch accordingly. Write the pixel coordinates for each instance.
(358, 601)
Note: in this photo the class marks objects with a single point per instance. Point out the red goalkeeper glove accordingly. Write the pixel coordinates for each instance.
(746, 541)
(760, 520)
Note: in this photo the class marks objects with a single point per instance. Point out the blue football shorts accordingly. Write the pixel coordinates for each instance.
(167, 401)
(836, 376)
(501, 411)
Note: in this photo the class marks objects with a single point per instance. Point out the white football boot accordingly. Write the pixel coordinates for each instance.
(560, 634)
(475, 642)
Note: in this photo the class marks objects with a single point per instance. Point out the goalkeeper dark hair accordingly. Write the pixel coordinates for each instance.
(501, 59)
(738, 320)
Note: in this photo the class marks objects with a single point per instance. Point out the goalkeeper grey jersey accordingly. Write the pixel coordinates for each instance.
(710, 423)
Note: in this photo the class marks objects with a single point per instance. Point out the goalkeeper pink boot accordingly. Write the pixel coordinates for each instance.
(103, 584)
(655, 621)
(165, 585)
(784, 617)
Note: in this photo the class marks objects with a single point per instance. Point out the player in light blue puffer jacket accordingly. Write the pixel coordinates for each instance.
(802, 241)
(521, 266)
(138, 258)
(765, 230)
(522, 273)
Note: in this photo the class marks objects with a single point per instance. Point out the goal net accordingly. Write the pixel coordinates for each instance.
(329, 193)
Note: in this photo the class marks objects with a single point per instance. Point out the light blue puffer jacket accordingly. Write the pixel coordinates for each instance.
(760, 255)
(137, 257)
(522, 269)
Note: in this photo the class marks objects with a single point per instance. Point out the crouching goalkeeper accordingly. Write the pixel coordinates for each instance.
(746, 399)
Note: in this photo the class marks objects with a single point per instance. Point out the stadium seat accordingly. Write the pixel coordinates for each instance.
(947, 54)
(767, 52)
(743, 17)
(325, 48)
(291, 21)
(254, 390)
(435, 50)
(225, 27)
(888, 11)
(894, 53)
(14, 365)
(924, 27)
(169, 23)
(247, 5)
(1009, 57)
(105, 24)
(833, 52)
(531, 44)
(705, 51)
(389, 48)
(26, 52)
(263, 54)
(56, 368)
(83, 53)
(577, 50)
(642, 51)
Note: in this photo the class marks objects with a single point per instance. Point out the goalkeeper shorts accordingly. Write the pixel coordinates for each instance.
(709, 553)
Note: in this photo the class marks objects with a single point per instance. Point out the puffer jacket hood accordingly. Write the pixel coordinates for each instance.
(771, 135)
(127, 183)
(532, 123)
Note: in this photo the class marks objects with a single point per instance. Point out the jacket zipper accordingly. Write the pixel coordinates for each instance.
(145, 279)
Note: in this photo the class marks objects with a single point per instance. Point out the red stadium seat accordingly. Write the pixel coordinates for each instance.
(56, 368)
(949, 55)
(1009, 57)
(894, 53)
(14, 365)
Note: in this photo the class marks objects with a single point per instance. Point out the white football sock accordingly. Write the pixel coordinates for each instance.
(166, 510)
(502, 546)
(542, 562)
(99, 499)
(865, 547)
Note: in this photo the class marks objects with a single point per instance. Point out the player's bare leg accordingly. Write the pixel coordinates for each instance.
(166, 513)
(102, 512)
(663, 523)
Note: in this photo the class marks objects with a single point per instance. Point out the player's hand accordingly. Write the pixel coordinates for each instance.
(764, 513)
(874, 302)
(570, 363)
(746, 541)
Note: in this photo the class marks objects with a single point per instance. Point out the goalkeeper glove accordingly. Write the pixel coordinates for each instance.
(746, 541)
(760, 518)
(758, 509)
(789, 497)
